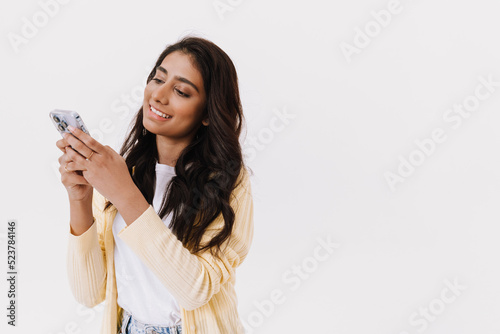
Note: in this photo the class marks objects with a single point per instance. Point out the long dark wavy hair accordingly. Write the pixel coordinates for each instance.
(208, 168)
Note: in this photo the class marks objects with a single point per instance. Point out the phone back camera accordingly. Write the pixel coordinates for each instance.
(56, 119)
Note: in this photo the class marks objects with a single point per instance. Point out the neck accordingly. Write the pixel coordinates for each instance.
(170, 149)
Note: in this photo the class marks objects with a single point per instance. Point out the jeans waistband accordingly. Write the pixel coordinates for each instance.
(146, 328)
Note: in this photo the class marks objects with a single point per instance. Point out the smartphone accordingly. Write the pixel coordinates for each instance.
(63, 118)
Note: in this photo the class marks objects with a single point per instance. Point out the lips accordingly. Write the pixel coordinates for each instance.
(159, 113)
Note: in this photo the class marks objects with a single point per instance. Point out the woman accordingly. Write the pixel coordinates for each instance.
(173, 211)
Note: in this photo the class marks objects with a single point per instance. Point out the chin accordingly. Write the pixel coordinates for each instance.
(146, 125)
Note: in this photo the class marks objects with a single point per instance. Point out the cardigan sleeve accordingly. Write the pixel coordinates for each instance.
(193, 278)
(86, 262)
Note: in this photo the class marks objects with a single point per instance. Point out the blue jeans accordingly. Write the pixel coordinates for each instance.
(130, 325)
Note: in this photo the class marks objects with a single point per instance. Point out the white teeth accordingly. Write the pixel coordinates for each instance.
(159, 113)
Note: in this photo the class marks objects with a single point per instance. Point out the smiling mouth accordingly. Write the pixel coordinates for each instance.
(159, 113)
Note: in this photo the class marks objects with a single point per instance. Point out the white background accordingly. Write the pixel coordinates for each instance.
(319, 176)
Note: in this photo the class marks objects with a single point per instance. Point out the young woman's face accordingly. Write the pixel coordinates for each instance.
(176, 91)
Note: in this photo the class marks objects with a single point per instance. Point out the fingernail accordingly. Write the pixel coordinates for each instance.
(71, 128)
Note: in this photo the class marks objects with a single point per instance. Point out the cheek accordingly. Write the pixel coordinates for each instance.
(180, 106)
(192, 111)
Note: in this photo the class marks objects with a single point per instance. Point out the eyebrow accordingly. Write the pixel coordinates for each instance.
(182, 79)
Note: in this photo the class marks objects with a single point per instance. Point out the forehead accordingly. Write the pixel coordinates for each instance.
(180, 64)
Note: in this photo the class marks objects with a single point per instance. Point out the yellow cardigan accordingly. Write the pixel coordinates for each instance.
(202, 285)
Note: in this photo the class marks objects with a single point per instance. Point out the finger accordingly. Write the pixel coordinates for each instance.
(65, 158)
(73, 179)
(73, 166)
(64, 170)
(78, 145)
(61, 144)
(93, 144)
(75, 156)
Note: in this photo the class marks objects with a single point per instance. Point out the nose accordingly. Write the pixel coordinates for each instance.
(161, 94)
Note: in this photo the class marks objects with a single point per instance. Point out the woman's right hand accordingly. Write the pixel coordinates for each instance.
(71, 176)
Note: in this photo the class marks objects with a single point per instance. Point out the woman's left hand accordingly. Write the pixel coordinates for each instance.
(101, 166)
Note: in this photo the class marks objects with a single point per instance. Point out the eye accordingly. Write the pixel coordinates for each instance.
(181, 93)
(157, 80)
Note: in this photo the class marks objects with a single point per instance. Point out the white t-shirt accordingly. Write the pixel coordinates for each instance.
(139, 291)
